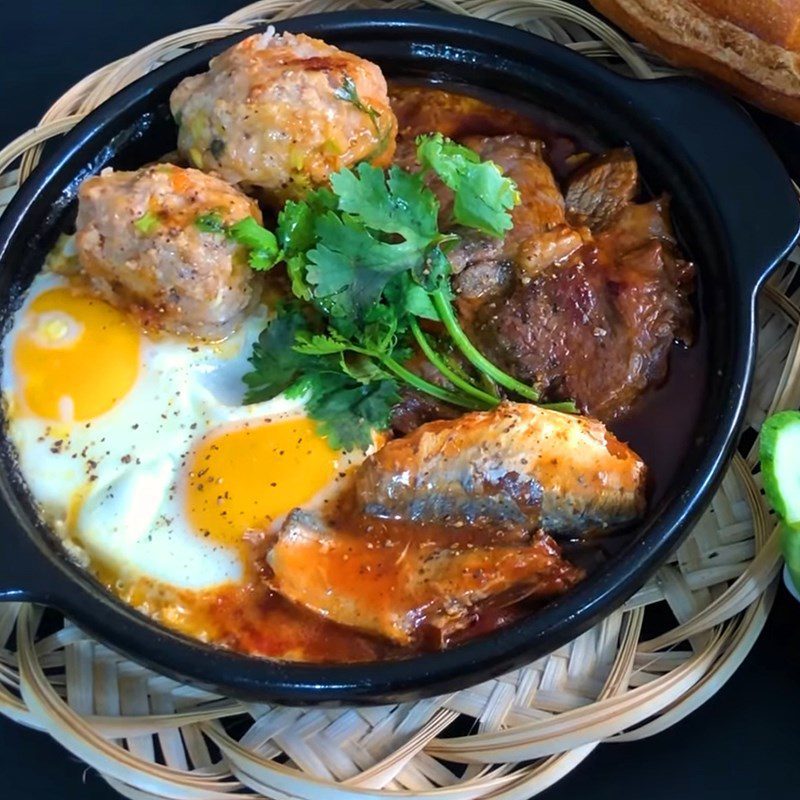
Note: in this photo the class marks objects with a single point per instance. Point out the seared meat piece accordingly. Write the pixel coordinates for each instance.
(416, 408)
(407, 587)
(138, 245)
(547, 248)
(282, 113)
(542, 206)
(483, 279)
(599, 330)
(540, 235)
(518, 465)
(637, 225)
(422, 109)
(601, 187)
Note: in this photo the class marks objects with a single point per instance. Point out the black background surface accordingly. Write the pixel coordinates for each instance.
(743, 743)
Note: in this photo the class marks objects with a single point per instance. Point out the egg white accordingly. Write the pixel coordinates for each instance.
(123, 468)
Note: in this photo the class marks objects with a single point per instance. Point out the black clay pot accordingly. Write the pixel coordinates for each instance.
(732, 202)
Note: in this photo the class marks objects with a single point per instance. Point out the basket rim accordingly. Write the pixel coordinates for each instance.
(562, 611)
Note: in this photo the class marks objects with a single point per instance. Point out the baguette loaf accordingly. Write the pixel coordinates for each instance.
(752, 46)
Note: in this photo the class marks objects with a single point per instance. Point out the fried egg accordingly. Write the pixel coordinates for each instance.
(139, 449)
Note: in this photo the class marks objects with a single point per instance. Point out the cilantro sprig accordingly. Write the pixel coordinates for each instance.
(349, 93)
(367, 262)
(482, 194)
(347, 399)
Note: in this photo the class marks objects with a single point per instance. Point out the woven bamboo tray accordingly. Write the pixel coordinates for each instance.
(512, 737)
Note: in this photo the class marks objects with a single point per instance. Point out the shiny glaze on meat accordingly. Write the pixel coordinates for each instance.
(422, 109)
(516, 466)
(409, 583)
(586, 294)
(601, 187)
(598, 330)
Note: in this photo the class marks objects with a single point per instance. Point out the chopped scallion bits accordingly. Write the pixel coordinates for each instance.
(147, 223)
(211, 222)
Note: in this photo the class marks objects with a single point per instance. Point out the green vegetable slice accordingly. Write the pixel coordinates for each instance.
(211, 222)
(780, 472)
(780, 465)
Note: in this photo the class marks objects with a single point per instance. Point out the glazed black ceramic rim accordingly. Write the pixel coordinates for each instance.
(551, 627)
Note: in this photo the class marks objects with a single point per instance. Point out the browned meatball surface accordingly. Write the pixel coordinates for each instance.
(281, 113)
(138, 244)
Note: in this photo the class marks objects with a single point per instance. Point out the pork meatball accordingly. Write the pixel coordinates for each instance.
(141, 249)
(281, 113)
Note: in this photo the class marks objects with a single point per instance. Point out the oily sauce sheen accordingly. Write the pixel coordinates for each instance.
(255, 620)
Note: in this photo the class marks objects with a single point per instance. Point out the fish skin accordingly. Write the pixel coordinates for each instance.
(405, 589)
(516, 466)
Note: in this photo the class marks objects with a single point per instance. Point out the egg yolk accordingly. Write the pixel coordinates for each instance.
(75, 357)
(246, 477)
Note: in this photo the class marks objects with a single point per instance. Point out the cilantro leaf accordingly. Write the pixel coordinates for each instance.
(347, 396)
(296, 236)
(401, 205)
(276, 365)
(349, 267)
(380, 329)
(434, 272)
(365, 260)
(361, 368)
(249, 233)
(318, 344)
(409, 298)
(296, 270)
(382, 227)
(346, 410)
(295, 229)
(483, 196)
(262, 244)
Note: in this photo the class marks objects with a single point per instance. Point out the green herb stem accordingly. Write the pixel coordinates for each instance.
(429, 388)
(489, 385)
(451, 375)
(445, 311)
(565, 407)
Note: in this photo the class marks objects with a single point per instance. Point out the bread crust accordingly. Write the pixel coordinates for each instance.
(742, 45)
(774, 21)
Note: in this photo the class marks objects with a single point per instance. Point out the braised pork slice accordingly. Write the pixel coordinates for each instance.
(601, 187)
(402, 588)
(540, 235)
(598, 330)
(517, 465)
